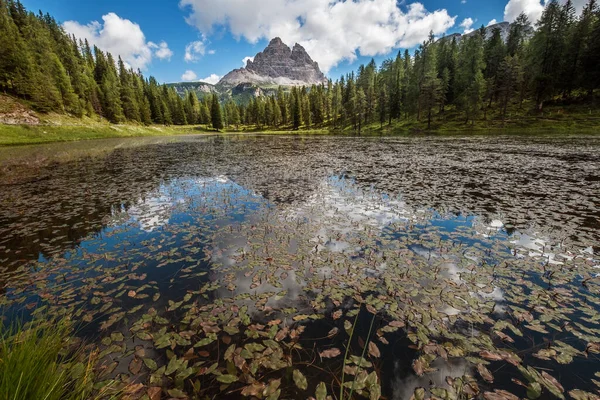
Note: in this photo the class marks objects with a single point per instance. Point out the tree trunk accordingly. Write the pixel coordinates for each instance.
(429, 120)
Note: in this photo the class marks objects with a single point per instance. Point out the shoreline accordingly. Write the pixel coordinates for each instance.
(22, 135)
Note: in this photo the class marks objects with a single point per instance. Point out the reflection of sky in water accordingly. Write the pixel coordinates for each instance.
(337, 210)
(184, 195)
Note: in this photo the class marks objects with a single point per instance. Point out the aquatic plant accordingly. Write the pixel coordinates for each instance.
(213, 275)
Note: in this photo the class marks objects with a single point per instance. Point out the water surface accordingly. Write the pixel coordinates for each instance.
(242, 265)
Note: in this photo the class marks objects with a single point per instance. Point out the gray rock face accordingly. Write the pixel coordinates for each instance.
(277, 65)
(489, 31)
(504, 28)
(201, 89)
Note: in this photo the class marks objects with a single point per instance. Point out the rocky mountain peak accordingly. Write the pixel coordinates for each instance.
(504, 28)
(300, 55)
(277, 64)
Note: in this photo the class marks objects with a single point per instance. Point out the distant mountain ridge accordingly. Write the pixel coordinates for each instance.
(504, 28)
(277, 65)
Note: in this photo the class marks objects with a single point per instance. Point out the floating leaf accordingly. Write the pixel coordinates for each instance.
(135, 366)
(177, 393)
(154, 393)
(300, 380)
(330, 353)
(227, 378)
(321, 392)
(374, 350)
(150, 363)
(553, 385)
(485, 373)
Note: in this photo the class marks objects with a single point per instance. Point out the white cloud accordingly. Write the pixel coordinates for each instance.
(211, 52)
(213, 79)
(330, 30)
(163, 52)
(467, 25)
(121, 37)
(189, 76)
(492, 22)
(246, 59)
(534, 8)
(195, 50)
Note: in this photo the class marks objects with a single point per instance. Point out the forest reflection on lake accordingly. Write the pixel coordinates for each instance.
(248, 263)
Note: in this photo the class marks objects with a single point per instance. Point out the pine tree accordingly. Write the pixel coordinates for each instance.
(547, 54)
(510, 79)
(470, 80)
(296, 109)
(361, 108)
(383, 104)
(517, 35)
(16, 66)
(494, 53)
(578, 49)
(215, 113)
(128, 99)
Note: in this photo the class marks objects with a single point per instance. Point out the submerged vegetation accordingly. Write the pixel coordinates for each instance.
(291, 267)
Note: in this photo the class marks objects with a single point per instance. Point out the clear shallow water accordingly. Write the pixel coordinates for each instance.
(452, 256)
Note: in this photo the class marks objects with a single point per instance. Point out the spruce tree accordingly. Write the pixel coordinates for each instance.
(215, 113)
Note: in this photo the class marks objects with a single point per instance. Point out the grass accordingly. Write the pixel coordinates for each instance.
(41, 361)
(557, 118)
(35, 134)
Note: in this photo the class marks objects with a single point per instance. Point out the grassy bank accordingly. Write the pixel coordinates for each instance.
(557, 118)
(41, 360)
(20, 125)
(35, 134)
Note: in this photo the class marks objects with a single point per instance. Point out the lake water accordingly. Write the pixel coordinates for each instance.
(290, 266)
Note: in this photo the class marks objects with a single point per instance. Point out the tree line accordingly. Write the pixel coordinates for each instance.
(56, 72)
(476, 75)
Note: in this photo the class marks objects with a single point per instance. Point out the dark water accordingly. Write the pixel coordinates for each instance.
(465, 265)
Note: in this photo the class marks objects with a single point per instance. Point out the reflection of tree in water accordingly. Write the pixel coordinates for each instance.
(547, 183)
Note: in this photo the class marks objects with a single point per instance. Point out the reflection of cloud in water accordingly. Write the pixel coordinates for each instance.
(155, 210)
(532, 244)
(152, 213)
(339, 207)
(403, 388)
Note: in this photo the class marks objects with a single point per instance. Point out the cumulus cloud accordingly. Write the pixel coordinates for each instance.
(195, 50)
(467, 25)
(246, 59)
(189, 76)
(213, 79)
(533, 8)
(121, 37)
(331, 31)
(162, 50)
(492, 22)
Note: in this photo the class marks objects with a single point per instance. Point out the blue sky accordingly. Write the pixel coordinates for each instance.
(224, 32)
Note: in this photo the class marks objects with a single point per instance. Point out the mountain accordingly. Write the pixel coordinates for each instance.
(503, 26)
(277, 65)
(200, 88)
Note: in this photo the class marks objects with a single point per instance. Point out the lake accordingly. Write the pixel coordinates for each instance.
(285, 267)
